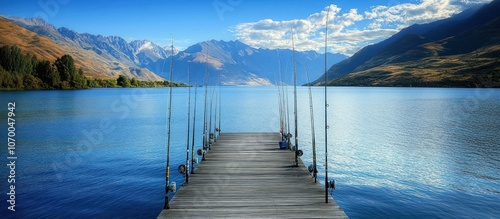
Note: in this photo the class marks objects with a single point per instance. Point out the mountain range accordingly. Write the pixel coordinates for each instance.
(46, 42)
(108, 57)
(461, 51)
(240, 64)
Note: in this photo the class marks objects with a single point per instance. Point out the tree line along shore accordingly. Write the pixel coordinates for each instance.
(20, 71)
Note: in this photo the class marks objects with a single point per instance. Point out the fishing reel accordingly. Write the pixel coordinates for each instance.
(200, 152)
(313, 172)
(209, 146)
(298, 152)
(172, 187)
(310, 168)
(182, 169)
(331, 186)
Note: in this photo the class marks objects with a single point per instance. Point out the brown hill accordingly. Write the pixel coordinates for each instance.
(43, 47)
(469, 59)
(28, 41)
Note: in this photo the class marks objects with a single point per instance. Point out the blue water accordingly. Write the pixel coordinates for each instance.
(394, 152)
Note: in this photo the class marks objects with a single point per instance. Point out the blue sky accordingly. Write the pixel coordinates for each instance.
(259, 23)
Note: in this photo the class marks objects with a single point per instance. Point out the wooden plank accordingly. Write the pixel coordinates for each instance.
(247, 175)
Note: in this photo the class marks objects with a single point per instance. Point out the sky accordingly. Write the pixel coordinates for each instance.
(258, 23)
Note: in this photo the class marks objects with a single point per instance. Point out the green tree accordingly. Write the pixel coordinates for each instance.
(92, 83)
(65, 85)
(31, 82)
(49, 76)
(123, 81)
(111, 83)
(17, 59)
(134, 82)
(19, 71)
(79, 80)
(33, 62)
(11, 59)
(66, 67)
(6, 80)
(18, 82)
(4, 57)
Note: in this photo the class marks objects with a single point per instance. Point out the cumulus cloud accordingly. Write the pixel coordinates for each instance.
(308, 33)
(348, 30)
(408, 13)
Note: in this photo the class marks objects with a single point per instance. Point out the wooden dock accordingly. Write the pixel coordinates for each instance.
(246, 175)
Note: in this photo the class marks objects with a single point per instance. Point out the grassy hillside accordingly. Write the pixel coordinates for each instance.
(480, 68)
(43, 47)
(28, 41)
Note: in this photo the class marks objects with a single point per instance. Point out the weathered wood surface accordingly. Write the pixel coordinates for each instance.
(246, 175)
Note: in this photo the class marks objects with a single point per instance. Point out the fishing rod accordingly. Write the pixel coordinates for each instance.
(327, 184)
(211, 134)
(288, 135)
(314, 168)
(167, 184)
(220, 103)
(284, 102)
(280, 111)
(295, 104)
(186, 168)
(284, 113)
(283, 110)
(205, 135)
(216, 113)
(194, 123)
(279, 99)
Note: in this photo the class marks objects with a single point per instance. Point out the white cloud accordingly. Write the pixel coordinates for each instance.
(344, 32)
(408, 13)
(308, 33)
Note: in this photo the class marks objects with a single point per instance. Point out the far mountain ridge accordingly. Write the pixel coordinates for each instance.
(240, 64)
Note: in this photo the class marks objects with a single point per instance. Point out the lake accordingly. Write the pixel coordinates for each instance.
(394, 152)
